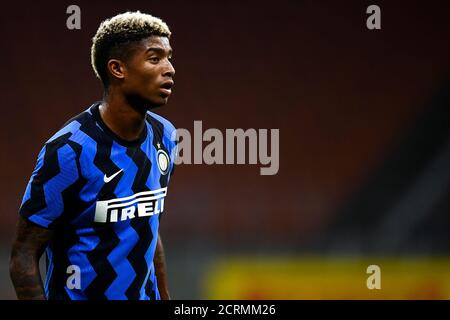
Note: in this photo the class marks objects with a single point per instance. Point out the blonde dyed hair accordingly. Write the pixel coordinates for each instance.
(115, 34)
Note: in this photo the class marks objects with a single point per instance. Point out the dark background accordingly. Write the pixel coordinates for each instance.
(363, 118)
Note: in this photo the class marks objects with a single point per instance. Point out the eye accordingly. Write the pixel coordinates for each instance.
(154, 59)
(171, 59)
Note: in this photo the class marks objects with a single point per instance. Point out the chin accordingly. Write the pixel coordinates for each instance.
(148, 101)
(157, 103)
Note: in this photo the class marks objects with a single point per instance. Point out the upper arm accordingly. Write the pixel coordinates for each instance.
(56, 169)
(30, 239)
(24, 270)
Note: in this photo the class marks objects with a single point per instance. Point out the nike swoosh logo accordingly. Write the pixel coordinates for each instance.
(107, 179)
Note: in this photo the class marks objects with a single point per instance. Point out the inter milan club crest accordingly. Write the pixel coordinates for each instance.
(163, 161)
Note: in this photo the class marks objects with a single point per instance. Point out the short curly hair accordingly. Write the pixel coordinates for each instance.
(115, 35)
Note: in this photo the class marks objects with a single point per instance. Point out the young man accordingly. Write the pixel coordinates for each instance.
(97, 193)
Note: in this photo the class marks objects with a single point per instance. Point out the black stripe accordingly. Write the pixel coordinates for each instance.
(149, 288)
(73, 205)
(65, 235)
(136, 257)
(98, 258)
(63, 239)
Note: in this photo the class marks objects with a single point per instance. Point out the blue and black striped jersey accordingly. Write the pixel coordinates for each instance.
(103, 197)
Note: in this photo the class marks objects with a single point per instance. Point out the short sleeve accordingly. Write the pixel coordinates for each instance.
(56, 170)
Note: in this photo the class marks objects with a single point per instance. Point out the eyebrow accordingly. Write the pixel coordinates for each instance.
(158, 50)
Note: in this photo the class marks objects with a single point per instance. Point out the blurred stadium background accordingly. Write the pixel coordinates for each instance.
(364, 125)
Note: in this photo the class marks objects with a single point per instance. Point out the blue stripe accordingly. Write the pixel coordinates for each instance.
(127, 235)
(70, 127)
(125, 273)
(49, 274)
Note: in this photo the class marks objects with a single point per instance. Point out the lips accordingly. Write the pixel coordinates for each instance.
(166, 87)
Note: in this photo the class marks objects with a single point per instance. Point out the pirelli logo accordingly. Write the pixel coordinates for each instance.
(142, 204)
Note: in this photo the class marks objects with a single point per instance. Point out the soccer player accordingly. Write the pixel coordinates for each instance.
(96, 195)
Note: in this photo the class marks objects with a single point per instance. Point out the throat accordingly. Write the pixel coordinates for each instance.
(124, 121)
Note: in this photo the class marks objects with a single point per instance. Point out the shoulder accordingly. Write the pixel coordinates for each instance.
(60, 142)
(165, 126)
(71, 126)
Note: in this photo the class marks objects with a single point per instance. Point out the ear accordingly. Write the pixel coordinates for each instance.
(116, 68)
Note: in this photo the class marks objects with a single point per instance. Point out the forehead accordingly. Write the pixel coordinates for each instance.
(156, 42)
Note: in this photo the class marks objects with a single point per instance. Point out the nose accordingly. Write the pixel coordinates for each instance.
(169, 70)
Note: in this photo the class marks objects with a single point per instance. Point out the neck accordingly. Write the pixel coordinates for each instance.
(122, 118)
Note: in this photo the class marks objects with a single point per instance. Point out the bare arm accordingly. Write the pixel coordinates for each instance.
(28, 247)
(160, 268)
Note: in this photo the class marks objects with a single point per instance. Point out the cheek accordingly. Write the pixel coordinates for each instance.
(143, 76)
(148, 82)
(149, 74)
